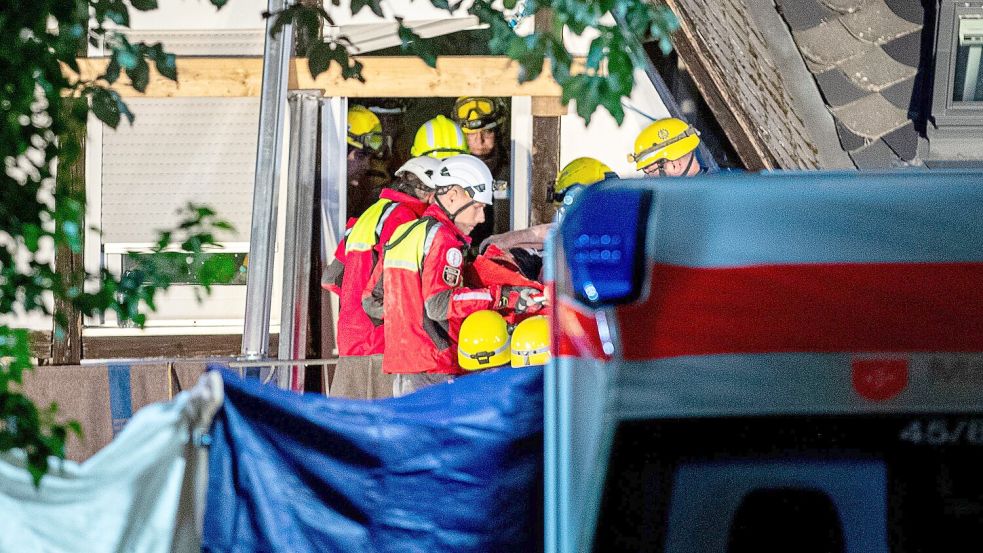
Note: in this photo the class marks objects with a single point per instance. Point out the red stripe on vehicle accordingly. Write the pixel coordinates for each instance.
(879, 307)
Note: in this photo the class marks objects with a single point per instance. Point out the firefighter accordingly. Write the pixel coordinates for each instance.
(420, 289)
(484, 341)
(667, 148)
(439, 138)
(358, 373)
(481, 118)
(531, 342)
(573, 178)
(365, 142)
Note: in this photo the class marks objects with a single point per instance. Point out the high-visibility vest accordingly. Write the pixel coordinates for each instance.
(410, 243)
(364, 235)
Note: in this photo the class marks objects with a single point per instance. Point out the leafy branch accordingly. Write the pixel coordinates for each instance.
(605, 79)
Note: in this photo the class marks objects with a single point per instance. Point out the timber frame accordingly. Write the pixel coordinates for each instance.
(385, 76)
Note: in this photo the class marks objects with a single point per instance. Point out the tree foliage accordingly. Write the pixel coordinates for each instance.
(606, 78)
(43, 109)
(44, 106)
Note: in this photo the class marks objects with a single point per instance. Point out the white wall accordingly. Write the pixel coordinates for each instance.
(603, 138)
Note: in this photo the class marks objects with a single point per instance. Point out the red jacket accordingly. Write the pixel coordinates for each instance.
(358, 254)
(419, 289)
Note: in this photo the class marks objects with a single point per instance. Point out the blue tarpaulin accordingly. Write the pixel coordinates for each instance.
(452, 468)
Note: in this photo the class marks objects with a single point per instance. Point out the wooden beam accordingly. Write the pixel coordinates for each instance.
(715, 92)
(390, 76)
(149, 346)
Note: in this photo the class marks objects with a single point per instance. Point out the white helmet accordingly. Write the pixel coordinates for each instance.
(424, 167)
(468, 172)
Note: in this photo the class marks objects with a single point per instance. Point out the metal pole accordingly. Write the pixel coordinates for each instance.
(297, 242)
(262, 237)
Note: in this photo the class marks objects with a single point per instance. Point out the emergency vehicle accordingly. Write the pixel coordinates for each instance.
(782, 362)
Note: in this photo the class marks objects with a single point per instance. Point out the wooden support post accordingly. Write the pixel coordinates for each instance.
(546, 111)
(66, 343)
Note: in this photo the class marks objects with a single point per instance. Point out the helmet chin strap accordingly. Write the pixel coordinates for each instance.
(452, 216)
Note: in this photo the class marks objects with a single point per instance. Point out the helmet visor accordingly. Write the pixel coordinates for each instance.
(476, 113)
(374, 142)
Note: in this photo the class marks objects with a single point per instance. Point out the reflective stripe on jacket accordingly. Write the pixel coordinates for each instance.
(424, 302)
(357, 334)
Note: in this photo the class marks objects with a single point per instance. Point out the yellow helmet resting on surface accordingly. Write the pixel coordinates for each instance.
(666, 139)
(531, 342)
(483, 342)
(475, 113)
(583, 171)
(439, 137)
(364, 129)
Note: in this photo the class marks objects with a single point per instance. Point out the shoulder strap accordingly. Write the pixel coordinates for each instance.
(382, 218)
(395, 241)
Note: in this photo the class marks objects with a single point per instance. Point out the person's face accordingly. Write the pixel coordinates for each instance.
(471, 216)
(678, 168)
(481, 143)
(358, 166)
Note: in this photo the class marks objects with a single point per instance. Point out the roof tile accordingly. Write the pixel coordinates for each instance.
(903, 141)
(844, 6)
(874, 70)
(804, 14)
(876, 156)
(912, 10)
(837, 89)
(871, 117)
(906, 49)
(900, 94)
(848, 140)
(828, 44)
(877, 24)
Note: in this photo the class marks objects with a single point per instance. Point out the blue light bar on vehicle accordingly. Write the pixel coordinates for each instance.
(603, 237)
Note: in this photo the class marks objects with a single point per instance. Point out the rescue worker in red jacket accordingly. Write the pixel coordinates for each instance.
(358, 373)
(419, 287)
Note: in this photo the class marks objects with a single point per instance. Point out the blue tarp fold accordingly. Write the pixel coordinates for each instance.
(452, 468)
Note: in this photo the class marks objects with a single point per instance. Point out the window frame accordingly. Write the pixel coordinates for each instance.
(947, 112)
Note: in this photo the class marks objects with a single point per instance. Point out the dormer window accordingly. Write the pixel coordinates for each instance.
(967, 83)
(955, 130)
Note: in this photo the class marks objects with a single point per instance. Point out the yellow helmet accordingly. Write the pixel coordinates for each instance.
(531, 342)
(365, 129)
(474, 113)
(483, 342)
(666, 139)
(439, 137)
(583, 171)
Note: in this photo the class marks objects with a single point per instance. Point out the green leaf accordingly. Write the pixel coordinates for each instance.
(144, 5)
(412, 43)
(125, 57)
(104, 107)
(319, 58)
(509, 4)
(140, 75)
(219, 3)
(112, 71)
(32, 235)
(596, 52)
(118, 13)
(166, 64)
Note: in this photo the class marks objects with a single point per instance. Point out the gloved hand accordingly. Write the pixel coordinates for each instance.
(521, 299)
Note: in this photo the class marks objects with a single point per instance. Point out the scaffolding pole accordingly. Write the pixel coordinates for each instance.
(262, 237)
(304, 108)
